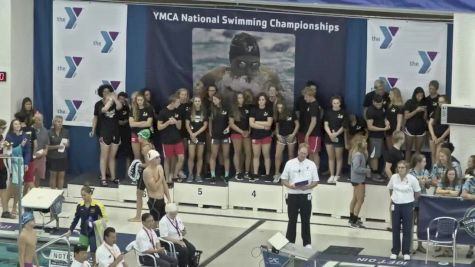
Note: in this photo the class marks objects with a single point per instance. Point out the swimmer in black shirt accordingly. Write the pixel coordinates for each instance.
(260, 122)
(219, 129)
(196, 125)
(240, 136)
(106, 126)
(286, 129)
(415, 114)
(140, 118)
(335, 125)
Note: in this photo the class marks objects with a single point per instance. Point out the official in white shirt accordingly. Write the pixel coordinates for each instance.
(80, 257)
(404, 188)
(148, 243)
(172, 229)
(300, 176)
(108, 254)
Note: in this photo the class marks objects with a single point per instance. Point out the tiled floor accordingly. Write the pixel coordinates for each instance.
(212, 230)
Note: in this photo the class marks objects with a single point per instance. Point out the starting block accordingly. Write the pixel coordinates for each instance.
(201, 194)
(255, 195)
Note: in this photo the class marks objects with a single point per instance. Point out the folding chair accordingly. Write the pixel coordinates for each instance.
(133, 246)
(169, 246)
(442, 232)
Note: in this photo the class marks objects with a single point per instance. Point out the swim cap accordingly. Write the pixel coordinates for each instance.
(145, 134)
(243, 44)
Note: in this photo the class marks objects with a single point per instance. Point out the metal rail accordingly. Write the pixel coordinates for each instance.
(63, 238)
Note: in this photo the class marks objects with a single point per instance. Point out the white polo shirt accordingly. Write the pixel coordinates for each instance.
(105, 255)
(171, 228)
(297, 171)
(146, 239)
(78, 264)
(403, 189)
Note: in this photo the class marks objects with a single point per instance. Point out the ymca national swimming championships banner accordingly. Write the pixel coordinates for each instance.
(89, 49)
(243, 50)
(406, 54)
(462, 210)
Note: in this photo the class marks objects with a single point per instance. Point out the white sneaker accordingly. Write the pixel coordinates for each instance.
(308, 246)
(331, 180)
(336, 178)
(407, 257)
(393, 257)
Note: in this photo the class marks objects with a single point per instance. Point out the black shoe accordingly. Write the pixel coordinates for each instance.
(225, 179)
(253, 178)
(238, 176)
(213, 180)
(116, 181)
(104, 183)
(247, 176)
(469, 254)
(8, 215)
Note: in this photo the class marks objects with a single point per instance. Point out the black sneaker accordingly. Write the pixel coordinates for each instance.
(212, 180)
(354, 225)
(238, 176)
(247, 176)
(225, 179)
(253, 178)
(8, 215)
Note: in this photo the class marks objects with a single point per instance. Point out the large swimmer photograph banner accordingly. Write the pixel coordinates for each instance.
(238, 50)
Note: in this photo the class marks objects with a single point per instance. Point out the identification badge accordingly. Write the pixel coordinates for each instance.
(392, 207)
(309, 197)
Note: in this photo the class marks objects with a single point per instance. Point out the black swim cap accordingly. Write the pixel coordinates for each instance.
(243, 44)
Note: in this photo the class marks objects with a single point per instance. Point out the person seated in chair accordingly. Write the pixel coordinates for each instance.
(148, 243)
(172, 229)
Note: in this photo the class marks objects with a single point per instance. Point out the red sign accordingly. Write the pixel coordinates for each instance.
(3, 76)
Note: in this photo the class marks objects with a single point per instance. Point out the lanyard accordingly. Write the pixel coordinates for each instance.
(175, 226)
(150, 237)
(110, 251)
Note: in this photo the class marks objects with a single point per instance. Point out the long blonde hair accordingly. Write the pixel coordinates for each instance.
(135, 106)
(398, 102)
(358, 146)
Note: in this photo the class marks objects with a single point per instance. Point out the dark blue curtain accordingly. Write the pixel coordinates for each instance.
(84, 151)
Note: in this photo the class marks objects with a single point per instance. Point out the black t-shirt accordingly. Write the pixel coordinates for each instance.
(144, 114)
(368, 99)
(107, 122)
(183, 110)
(197, 122)
(359, 126)
(391, 116)
(260, 115)
(393, 156)
(220, 121)
(287, 124)
(439, 129)
(431, 104)
(309, 111)
(169, 135)
(336, 120)
(31, 133)
(417, 121)
(378, 116)
(124, 113)
(243, 122)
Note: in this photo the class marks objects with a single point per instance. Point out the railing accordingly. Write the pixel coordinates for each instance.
(63, 238)
(17, 161)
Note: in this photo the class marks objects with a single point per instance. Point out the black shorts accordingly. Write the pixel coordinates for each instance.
(3, 178)
(141, 184)
(110, 139)
(355, 184)
(156, 207)
(415, 131)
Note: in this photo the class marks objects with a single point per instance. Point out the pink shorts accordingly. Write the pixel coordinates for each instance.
(170, 150)
(236, 136)
(40, 168)
(314, 142)
(30, 174)
(134, 139)
(263, 141)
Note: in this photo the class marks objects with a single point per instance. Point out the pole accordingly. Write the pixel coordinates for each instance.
(20, 191)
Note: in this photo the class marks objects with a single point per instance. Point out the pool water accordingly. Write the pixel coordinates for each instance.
(9, 254)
